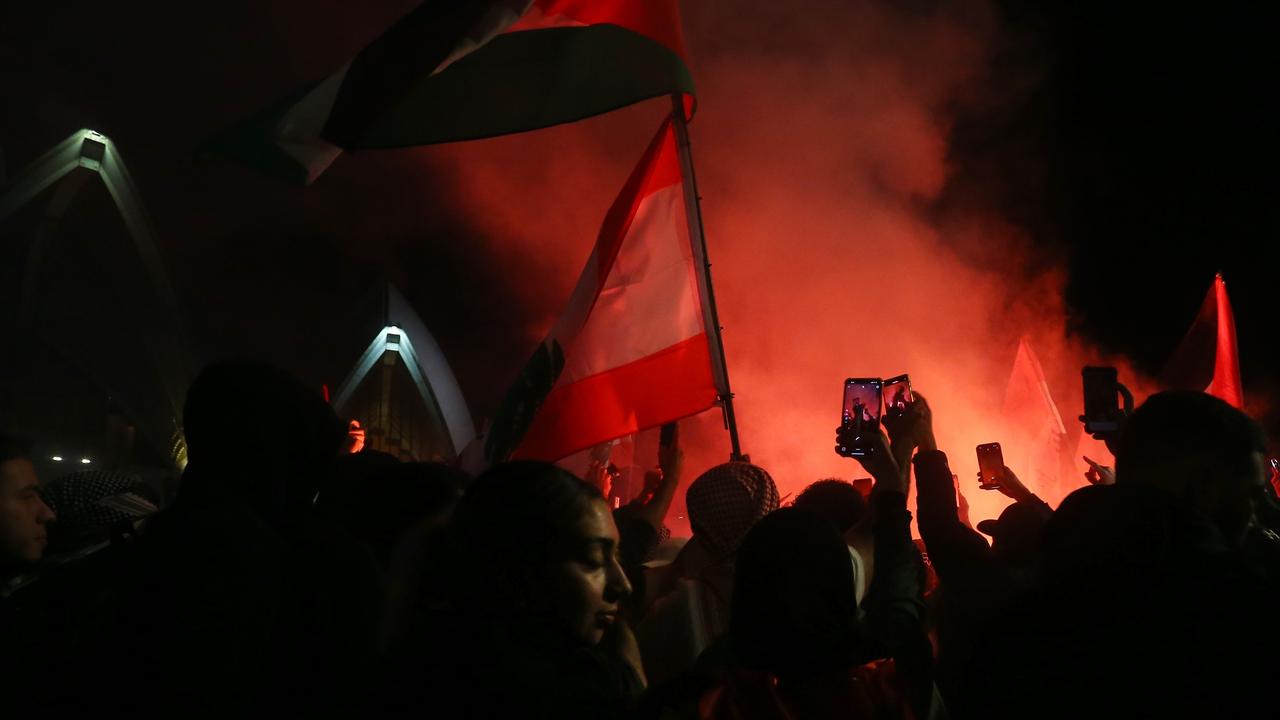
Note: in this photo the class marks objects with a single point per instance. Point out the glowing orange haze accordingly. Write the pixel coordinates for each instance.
(814, 168)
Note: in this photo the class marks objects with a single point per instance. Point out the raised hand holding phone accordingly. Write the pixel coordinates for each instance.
(1012, 487)
(1104, 415)
(923, 427)
(875, 457)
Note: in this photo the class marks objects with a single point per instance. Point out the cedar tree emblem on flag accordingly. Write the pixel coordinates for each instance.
(632, 350)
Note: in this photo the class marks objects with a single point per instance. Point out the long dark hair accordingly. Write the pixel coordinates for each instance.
(795, 612)
(508, 525)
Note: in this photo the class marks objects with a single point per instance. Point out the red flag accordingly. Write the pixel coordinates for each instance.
(1036, 442)
(636, 348)
(1213, 331)
(1226, 359)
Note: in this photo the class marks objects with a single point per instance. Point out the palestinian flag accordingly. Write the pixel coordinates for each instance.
(635, 347)
(1207, 358)
(471, 69)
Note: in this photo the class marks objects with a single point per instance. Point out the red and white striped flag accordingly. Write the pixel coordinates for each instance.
(636, 345)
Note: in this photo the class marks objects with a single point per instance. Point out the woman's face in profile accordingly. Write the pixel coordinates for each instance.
(585, 582)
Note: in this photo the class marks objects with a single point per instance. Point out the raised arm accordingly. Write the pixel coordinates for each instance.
(670, 464)
(911, 430)
(895, 611)
(958, 552)
(1012, 487)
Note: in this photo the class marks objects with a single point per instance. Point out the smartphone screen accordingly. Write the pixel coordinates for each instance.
(862, 403)
(1101, 399)
(897, 395)
(990, 465)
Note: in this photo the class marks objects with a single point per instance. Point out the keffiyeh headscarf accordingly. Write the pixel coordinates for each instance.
(87, 504)
(725, 501)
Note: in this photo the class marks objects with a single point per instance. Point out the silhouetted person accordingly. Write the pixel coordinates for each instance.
(843, 505)
(797, 624)
(800, 645)
(723, 503)
(241, 602)
(1146, 605)
(1201, 450)
(977, 582)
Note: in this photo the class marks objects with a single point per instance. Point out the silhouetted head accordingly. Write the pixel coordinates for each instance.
(836, 500)
(262, 433)
(1200, 449)
(1016, 533)
(794, 610)
(533, 543)
(725, 501)
(23, 513)
(1113, 535)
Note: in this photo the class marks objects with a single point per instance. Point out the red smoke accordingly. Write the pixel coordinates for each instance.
(819, 144)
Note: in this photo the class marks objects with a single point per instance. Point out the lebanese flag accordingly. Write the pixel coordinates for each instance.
(1038, 437)
(636, 346)
(457, 70)
(1212, 334)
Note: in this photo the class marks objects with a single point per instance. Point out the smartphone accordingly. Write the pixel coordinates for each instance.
(897, 395)
(990, 466)
(861, 413)
(1101, 399)
(862, 403)
(668, 435)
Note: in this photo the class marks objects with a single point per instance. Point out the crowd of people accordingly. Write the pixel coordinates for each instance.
(288, 577)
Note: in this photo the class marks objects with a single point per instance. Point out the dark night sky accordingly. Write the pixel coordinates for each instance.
(1143, 159)
(1160, 151)
(1130, 141)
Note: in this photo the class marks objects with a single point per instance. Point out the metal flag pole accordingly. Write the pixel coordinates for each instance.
(711, 317)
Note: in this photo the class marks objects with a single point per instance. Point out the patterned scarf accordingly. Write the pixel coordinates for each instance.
(725, 501)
